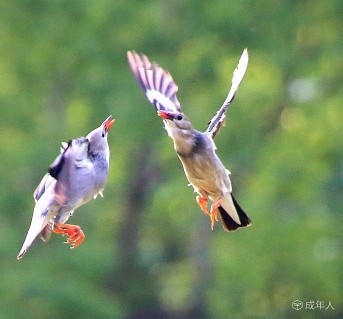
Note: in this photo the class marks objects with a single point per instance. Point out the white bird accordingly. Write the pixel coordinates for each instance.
(77, 175)
(196, 150)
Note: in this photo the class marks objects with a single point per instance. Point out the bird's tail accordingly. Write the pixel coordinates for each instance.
(38, 225)
(45, 234)
(232, 215)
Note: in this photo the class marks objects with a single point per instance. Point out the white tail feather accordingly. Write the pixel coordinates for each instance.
(35, 228)
(229, 207)
(40, 218)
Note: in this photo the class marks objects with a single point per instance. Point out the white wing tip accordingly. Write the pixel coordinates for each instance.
(244, 57)
(239, 72)
(243, 61)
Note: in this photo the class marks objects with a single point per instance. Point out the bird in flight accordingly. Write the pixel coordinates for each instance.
(196, 150)
(77, 175)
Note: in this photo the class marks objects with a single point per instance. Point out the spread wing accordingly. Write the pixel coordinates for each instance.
(157, 83)
(218, 120)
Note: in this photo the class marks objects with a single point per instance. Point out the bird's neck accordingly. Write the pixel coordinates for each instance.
(184, 140)
(100, 158)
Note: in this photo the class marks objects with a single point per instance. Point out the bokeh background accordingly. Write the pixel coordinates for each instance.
(149, 250)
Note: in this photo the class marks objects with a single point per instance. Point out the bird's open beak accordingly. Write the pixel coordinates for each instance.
(108, 123)
(165, 115)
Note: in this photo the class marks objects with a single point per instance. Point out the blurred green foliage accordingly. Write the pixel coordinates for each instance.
(149, 251)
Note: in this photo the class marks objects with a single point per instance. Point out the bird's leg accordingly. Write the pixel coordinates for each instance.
(202, 202)
(74, 233)
(214, 211)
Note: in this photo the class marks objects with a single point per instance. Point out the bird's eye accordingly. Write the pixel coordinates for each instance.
(179, 117)
(103, 134)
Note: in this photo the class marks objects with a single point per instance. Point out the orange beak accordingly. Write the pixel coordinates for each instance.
(108, 123)
(164, 115)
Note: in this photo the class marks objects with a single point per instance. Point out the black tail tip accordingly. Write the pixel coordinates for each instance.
(228, 223)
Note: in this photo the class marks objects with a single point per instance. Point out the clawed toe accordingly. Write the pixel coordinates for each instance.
(202, 202)
(214, 212)
(75, 234)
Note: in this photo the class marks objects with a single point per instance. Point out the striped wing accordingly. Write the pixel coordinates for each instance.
(157, 83)
(218, 120)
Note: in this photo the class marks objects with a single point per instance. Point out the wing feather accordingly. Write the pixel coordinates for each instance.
(218, 120)
(157, 83)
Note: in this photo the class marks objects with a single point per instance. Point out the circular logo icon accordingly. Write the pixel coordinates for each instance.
(297, 304)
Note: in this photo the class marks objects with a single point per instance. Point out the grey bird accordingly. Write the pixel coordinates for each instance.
(77, 175)
(196, 150)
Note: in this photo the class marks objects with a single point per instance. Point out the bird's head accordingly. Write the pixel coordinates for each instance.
(98, 137)
(177, 119)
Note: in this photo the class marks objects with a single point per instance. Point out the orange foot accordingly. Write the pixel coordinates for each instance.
(214, 212)
(202, 202)
(74, 233)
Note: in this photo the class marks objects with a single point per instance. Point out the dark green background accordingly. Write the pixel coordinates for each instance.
(149, 250)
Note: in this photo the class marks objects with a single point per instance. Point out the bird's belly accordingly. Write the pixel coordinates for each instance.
(206, 177)
(83, 193)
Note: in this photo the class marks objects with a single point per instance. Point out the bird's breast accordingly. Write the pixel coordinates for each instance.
(205, 172)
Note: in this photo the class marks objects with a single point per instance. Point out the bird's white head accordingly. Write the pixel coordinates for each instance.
(98, 137)
(177, 119)
(180, 129)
